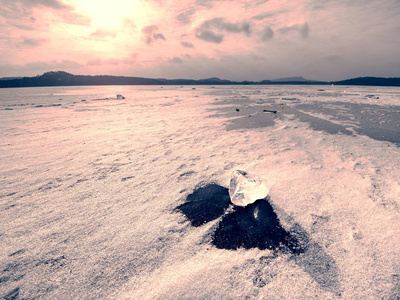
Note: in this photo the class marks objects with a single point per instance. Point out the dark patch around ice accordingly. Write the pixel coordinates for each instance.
(257, 226)
(205, 204)
(253, 226)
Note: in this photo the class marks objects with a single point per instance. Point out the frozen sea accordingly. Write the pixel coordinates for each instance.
(127, 199)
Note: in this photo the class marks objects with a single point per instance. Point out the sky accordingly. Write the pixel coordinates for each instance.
(229, 39)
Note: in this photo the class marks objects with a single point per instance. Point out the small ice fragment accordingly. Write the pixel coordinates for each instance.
(246, 188)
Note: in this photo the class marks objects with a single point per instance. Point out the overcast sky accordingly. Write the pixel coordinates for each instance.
(230, 39)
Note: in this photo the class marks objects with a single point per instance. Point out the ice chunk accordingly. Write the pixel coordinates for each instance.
(246, 188)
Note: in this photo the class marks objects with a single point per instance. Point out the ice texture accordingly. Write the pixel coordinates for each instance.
(88, 188)
(245, 188)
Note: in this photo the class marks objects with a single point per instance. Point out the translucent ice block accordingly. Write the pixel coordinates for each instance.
(246, 188)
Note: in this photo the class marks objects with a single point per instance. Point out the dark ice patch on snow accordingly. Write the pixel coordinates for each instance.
(318, 123)
(253, 226)
(257, 226)
(259, 116)
(248, 117)
(205, 204)
(257, 120)
(380, 122)
(376, 121)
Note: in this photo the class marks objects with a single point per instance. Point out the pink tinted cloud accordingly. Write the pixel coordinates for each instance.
(151, 34)
(113, 61)
(102, 33)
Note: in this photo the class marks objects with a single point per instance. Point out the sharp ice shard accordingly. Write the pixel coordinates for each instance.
(246, 188)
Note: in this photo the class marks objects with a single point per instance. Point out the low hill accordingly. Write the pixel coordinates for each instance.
(61, 78)
(291, 79)
(378, 81)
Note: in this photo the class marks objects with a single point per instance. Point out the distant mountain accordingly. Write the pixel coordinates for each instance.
(291, 79)
(377, 81)
(9, 78)
(214, 80)
(206, 81)
(61, 78)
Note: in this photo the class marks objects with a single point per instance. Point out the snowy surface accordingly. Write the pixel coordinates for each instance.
(89, 191)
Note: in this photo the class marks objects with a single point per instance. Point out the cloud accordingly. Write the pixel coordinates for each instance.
(267, 34)
(206, 30)
(281, 41)
(208, 3)
(263, 16)
(332, 58)
(102, 33)
(38, 67)
(26, 26)
(220, 23)
(32, 42)
(269, 14)
(128, 24)
(22, 12)
(100, 62)
(159, 36)
(257, 57)
(113, 61)
(28, 42)
(160, 2)
(187, 44)
(150, 34)
(75, 19)
(303, 30)
(209, 36)
(324, 4)
(56, 4)
(51, 65)
(254, 4)
(185, 17)
(176, 60)
(15, 9)
(149, 29)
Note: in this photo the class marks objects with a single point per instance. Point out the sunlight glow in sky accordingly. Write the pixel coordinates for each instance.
(231, 39)
(110, 14)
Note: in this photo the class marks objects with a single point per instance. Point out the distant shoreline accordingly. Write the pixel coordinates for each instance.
(60, 78)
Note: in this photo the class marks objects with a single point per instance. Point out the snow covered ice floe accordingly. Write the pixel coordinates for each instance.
(246, 188)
